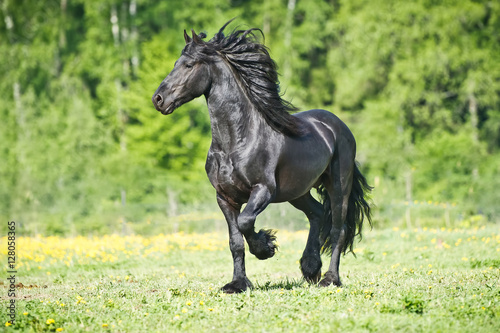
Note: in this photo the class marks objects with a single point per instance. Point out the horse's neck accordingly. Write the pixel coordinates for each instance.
(234, 120)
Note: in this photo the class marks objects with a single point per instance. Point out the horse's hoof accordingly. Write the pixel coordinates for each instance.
(237, 286)
(313, 279)
(264, 244)
(329, 279)
(324, 283)
(311, 268)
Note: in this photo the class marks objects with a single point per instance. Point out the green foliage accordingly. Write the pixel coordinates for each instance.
(418, 83)
(413, 304)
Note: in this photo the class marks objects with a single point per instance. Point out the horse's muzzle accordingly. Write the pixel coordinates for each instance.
(157, 101)
(161, 105)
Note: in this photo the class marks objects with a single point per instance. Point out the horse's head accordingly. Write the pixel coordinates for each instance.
(189, 79)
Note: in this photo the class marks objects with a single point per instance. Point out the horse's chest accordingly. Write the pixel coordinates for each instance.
(226, 177)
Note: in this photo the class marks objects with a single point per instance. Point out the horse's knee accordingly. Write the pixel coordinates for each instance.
(246, 223)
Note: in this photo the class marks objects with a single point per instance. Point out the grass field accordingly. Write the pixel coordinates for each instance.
(421, 280)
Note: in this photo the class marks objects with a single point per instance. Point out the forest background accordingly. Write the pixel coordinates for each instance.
(83, 150)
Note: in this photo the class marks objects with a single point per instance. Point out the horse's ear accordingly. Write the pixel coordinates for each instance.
(196, 38)
(186, 37)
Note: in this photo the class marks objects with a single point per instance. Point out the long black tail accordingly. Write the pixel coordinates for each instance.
(358, 209)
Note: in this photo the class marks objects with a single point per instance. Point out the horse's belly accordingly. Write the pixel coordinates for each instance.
(301, 167)
(295, 182)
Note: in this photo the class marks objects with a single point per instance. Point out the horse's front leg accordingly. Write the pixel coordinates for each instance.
(240, 281)
(261, 244)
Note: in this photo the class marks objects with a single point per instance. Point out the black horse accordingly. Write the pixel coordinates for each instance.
(262, 154)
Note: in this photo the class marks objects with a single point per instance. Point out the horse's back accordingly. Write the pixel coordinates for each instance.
(326, 124)
(315, 119)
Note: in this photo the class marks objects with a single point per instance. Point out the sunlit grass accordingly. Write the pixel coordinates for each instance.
(423, 279)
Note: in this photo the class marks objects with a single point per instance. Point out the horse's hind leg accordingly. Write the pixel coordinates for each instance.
(337, 235)
(310, 263)
(338, 185)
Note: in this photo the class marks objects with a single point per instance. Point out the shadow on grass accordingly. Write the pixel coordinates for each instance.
(287, 284)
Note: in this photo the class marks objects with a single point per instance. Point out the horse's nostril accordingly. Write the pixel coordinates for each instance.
(158, 100)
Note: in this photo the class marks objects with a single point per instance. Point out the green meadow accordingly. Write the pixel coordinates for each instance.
(419, 280)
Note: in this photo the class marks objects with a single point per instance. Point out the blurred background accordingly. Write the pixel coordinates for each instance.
(83, 151)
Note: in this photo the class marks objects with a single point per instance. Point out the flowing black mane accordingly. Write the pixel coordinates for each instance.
(258, 73)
